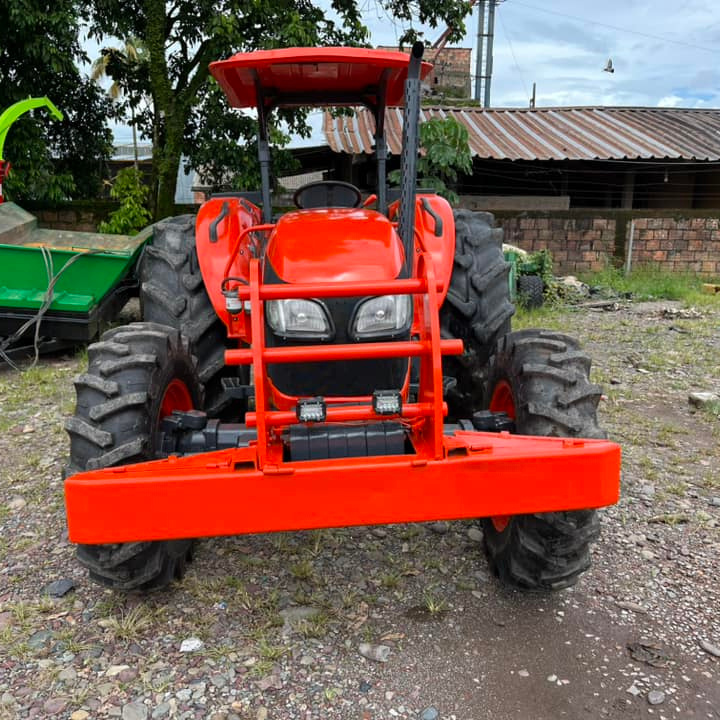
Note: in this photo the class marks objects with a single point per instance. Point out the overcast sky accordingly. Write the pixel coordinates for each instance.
(664, 53)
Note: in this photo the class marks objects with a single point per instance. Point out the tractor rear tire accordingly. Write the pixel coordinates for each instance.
(477, 308)
(541, 379)
(136, 374)
(172, 293)
(531, 291)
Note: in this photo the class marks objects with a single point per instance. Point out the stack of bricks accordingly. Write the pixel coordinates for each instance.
(577, 244)
(680, 244)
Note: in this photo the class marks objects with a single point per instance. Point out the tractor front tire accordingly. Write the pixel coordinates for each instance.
(477, 308)
(137, 374)
(173, 293)
(541, 379)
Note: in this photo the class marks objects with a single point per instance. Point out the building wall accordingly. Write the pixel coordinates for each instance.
(450, 73)
(581, 242)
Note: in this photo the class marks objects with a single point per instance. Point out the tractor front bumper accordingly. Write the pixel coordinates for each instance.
(225, 493)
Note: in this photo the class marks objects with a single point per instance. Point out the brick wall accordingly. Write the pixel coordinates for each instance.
(582, 241)
(577, 244)
(687, 244)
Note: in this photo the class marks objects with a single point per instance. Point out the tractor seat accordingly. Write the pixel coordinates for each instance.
(327, 194)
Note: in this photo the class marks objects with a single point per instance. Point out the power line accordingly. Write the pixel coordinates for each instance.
(615, 27)
(512, 52)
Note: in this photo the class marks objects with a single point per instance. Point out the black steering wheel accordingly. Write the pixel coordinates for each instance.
(327, 194)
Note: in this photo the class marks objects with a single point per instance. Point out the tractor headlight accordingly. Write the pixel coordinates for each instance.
(384, 315)
(299, 318)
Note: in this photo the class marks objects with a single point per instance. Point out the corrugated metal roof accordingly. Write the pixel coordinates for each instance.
(577, 133)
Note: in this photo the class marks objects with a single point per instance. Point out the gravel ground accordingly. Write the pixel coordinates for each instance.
(270, 626)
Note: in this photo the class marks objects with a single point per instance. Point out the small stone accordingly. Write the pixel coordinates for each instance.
(440, 527)
(40, 638)
(430, 713)
(552, 678)
(647, 491)
(262, 713)
(67, 675)
(270, 682)
(379, 532)
(134, 711)
(127, 675)
(475, 534)
(389, 695)
(379, 653)
(364, 686)
(634, 690)
(59, 588)
(183, 695)
(7, 699)
(655, 697)
(306, 660)
(55, 705)
(80, 715)
(715, 501)
(161, 710)
(647, 554)
(710, 648)
(5, 620)
(632, 606)
(191, 644)
(115, 670)
(17, 503)
(28, 429)
(702, 399)
(219, 681)
(523, 673)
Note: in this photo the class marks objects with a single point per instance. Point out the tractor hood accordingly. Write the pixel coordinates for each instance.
(335, 245)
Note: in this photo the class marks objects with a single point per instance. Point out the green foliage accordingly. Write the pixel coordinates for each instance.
(225, 146)
(38, 50)
(445, 153)
(132, 215)
(183, 37)
(649, 282)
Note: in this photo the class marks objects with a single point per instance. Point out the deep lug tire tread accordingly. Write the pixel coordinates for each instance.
(172, 293)
(477, 308)
(553, 396)
(531, 291)
(118, 403)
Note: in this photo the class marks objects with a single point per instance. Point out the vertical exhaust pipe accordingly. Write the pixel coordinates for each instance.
(408, 159)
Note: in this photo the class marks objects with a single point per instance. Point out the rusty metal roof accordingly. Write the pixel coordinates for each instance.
(575, 133)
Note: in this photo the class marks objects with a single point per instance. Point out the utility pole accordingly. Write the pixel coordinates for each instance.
(484, 59)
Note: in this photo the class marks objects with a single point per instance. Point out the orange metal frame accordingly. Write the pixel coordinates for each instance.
(253, 489)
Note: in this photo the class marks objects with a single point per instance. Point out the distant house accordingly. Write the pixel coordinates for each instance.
(450, 76)
(554, 158)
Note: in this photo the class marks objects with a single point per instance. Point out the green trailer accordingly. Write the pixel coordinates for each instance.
(69, 282)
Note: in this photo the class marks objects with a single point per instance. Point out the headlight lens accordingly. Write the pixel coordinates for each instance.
(383, 315)
(305, 318)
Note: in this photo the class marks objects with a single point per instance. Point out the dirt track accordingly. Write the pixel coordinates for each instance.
(459, 642)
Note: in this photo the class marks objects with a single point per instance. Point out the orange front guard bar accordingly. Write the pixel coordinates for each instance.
(251, 489)
(223, 492)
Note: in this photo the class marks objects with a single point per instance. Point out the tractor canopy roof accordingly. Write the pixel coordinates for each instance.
(293, 77)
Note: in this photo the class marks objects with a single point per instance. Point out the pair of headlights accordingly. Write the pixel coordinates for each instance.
(377, 316)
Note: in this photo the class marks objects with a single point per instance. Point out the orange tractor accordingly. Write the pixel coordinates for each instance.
(341, 364)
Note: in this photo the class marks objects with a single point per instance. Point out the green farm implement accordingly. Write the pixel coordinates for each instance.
(57, 286)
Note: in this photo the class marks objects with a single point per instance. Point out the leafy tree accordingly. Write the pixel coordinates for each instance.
(445, 152)
(38, 50)
(132, 215)
(183, 37)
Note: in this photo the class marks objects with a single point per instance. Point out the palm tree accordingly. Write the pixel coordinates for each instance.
(134, 53)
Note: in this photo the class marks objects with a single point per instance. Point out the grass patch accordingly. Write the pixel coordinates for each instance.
(651, 283)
